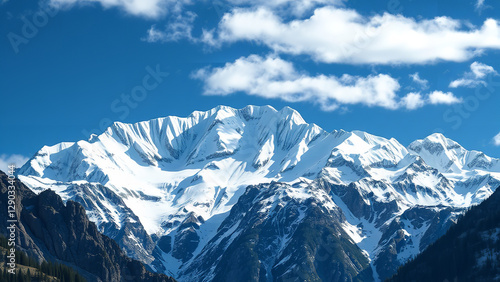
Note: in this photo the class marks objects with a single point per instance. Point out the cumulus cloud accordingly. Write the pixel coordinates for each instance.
(439, 97)
(496, 140)
(338, 35)
(275, 78)
(322, 29)
(6, 160)
(413, 101)
(481, 70)
(475, 77)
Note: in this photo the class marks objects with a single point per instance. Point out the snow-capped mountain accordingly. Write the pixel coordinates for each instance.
(469, 251)
(170, 190)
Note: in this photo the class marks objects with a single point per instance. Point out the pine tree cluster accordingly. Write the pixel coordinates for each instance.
(45, 271)
(457, 255)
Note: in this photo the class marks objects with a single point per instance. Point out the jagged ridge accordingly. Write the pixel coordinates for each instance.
(180, 177)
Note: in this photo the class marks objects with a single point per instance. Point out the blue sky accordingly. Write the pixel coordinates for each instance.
(401, 69)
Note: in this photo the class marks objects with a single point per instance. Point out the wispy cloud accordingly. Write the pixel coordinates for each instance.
(338, 35)
(475, 77)
(496, 140)
(479, 5)
(422, 83)
(158, 8)
(142, 8)
(180, 27)
(296, 8)
(273, 77)
(6, 160)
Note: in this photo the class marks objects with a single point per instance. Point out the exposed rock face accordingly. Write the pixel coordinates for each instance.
(469, 251)
(187, 238)
(51, 230)
(127, 232)
(270, 236)
(163, 188)
(397, 232)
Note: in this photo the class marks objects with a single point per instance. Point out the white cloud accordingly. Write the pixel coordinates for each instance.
(294, 7)
(337, 35)
(156, 8)
(413, 101)
(143, 8)
(180, 27)
(496, 140)
(475, 77)
(462, 82)
(6, 160)
(274, 78)
(481, 70)
(479, 5)
(439, 97)
(422, 83)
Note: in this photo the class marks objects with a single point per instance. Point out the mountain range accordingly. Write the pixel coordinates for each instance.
(259, 194)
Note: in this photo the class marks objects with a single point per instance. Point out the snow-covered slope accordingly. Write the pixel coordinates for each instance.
(449, 157)
(171, 182)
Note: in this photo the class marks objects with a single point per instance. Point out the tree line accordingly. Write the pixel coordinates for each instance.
(45, 271)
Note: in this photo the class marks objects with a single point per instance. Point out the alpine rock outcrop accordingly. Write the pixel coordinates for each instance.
(259, 194)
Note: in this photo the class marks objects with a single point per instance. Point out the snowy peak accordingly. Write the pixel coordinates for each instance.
(198, 137)
(450, 157)
(440, 152)
(164, 173)
(202, 159)
(204, 135)
(436, 144)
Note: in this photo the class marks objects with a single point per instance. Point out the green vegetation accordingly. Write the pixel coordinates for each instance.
(455, 256)
(28, 269)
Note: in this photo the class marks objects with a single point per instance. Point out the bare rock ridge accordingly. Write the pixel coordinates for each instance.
(469, 250)
(54, 231)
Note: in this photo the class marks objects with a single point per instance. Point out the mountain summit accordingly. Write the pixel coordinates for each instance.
(177, 193)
